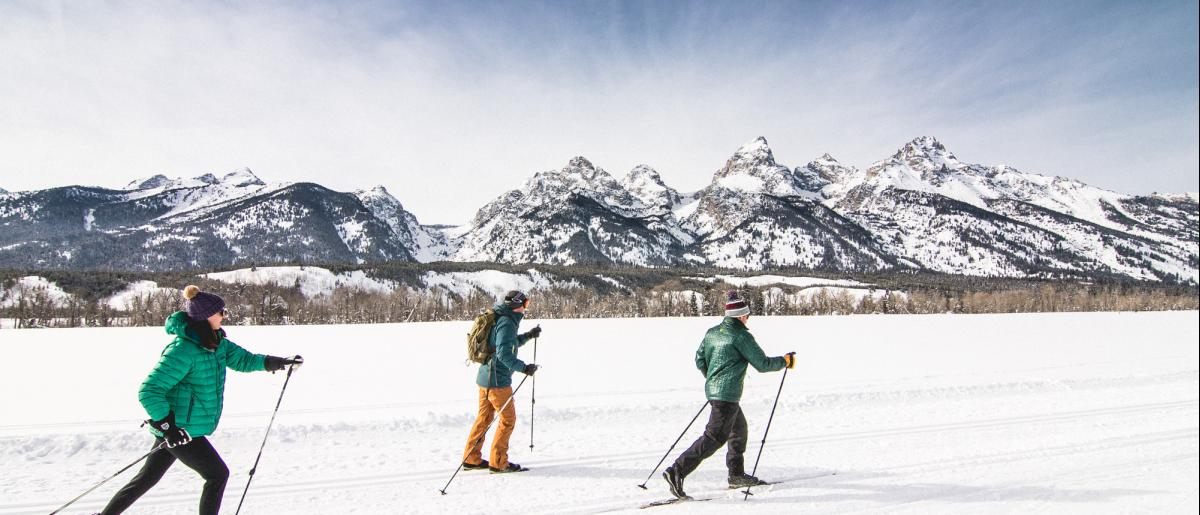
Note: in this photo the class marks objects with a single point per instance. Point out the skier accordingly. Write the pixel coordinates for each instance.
(184, 395)
(495, 386)
(722, 358)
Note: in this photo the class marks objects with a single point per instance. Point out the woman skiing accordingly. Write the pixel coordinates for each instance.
(184, 395)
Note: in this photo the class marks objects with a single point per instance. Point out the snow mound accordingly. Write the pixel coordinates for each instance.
(33, 286)
(122, 300)
(312, 281)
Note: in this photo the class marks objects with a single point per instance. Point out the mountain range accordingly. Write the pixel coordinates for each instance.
(919, 209)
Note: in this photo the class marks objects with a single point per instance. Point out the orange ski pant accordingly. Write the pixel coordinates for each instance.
(491, 400)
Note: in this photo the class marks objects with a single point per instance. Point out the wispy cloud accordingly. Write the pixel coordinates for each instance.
(428, 98)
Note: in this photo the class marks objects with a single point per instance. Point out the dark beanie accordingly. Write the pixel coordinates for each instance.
(515, 299)
(735, 305)
(200, 304)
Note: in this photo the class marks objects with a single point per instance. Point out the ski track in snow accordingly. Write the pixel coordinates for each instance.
(1041, 413)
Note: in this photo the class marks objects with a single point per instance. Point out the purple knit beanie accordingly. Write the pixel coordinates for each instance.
(200, 304)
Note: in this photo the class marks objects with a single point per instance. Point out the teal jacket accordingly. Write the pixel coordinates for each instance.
(722, 358)
(190, 379)
(504, 341)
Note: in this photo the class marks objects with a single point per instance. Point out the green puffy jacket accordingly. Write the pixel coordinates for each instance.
(190, 379)
(504, 341)
(722, 358)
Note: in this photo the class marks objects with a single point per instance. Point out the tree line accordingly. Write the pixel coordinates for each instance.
(253, 304)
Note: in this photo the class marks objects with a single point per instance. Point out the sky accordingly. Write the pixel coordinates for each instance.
(450, 104)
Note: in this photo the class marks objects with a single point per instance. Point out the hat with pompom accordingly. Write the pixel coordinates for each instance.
(200, 305)
(735, 305)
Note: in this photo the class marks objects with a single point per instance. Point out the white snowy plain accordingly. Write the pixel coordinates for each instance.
(1028, 413)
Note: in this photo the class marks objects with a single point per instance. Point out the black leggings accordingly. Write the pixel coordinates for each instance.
(198, 455)
(726, 424)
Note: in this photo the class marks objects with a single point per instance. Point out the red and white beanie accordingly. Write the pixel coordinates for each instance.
(735, 305)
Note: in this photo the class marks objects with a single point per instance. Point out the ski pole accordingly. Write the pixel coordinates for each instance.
(109, 478)
(481, 437)
(764, 440)
(664, 458)
(264, 442)
(532, 397)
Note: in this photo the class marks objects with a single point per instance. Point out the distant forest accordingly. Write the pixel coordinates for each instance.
(642, 292)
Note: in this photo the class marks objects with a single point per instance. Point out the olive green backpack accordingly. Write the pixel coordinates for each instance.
(478, 349)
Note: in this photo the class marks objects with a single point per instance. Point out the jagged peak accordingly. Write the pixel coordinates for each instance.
(643, 171)
(378, 190)
(826, 160)
(579, 163)
(208, 178)
(643, 180)
(757, 150)
(925, 147)
(377, 197)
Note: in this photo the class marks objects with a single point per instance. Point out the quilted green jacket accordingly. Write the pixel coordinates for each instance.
(190, 379)
(723, 356)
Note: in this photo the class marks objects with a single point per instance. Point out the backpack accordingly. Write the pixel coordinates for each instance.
(478, 349)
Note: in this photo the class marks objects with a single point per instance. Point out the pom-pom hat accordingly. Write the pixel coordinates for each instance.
(200, 305)
(735, 305)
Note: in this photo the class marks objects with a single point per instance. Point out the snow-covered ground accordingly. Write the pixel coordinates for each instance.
(1031, 413)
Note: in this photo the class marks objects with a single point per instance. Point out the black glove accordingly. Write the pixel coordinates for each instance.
(529, 369)
(274, 363)
(171, 433)
(532, 333)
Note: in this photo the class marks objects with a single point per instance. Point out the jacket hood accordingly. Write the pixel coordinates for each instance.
(177, 325)
(502, 310)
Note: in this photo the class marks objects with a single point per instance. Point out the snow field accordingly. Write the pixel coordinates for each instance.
(1030, 413)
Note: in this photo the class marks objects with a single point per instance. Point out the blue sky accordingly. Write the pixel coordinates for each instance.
(425, 98)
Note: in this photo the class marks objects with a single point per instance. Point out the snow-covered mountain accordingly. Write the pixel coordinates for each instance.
(757, 214)
(921, 208)
(936, 212)
(202, 222)
(424, 243)
(579, 214)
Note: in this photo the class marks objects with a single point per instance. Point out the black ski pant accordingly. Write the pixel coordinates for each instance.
(198, 454)
(726, 425)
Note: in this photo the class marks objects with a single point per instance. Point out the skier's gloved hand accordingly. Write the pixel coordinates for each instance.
(790, 358)
(529, 369)
(275, 363)
(532, 333)
(171, 433)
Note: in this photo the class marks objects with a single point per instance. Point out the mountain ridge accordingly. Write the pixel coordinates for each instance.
(922, 208)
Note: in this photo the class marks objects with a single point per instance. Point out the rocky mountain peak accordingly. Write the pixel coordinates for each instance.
(827, 168)
(379, 190)
(757, 151)
(924, 154)
(752, 169)
(647, 185)
(580, 165)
